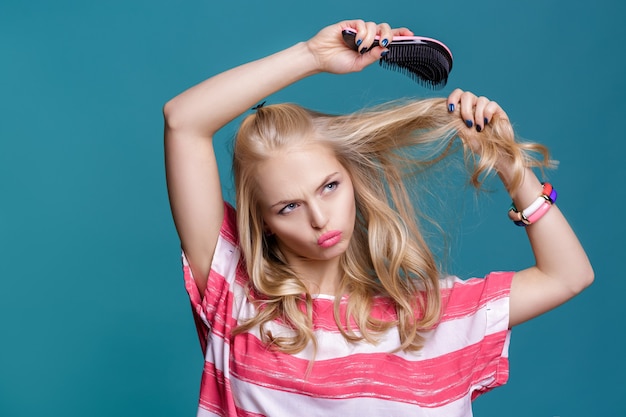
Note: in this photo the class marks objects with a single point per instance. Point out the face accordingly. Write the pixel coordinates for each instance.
(307, 201)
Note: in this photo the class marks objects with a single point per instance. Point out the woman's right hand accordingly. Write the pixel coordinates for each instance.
(334, 56)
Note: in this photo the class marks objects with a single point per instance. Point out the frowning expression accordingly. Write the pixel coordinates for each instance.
(307, 201)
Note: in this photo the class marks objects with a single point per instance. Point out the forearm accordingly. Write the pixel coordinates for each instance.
(557, 250)
(561, 268)
(208, 106)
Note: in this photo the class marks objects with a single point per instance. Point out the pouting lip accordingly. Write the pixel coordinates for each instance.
(326, 237)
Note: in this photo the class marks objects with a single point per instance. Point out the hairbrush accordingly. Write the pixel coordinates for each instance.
(425, 60)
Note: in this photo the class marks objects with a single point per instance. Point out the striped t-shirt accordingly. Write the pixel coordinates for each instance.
(464, 356)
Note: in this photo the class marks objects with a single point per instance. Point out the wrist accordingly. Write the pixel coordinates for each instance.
(511, 174)
(527, 190)
(506, 169)
(296, 62)
(306, 58)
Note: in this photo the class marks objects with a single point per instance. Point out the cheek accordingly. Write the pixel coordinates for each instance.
(350, 203)
(289, 229)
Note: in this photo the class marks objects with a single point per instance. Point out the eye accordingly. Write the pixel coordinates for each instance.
(288, 208)
(331, 186)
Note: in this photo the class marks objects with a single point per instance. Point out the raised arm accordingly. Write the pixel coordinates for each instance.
(193, 117)
(561, 268)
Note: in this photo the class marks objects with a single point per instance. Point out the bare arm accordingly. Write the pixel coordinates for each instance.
(193, 117)
(561, 268)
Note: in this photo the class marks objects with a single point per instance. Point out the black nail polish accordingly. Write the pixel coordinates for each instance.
(478, 128)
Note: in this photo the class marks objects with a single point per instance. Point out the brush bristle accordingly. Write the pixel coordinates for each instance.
(427, 63)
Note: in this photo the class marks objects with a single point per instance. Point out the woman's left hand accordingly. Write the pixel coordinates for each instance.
(476, 112)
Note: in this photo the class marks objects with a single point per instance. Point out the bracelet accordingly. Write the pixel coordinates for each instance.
(540, 212)
(536, 210)
(547, 188)
(530, 210)
(517, 216)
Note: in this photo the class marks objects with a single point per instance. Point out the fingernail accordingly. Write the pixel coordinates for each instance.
(359, 42)
(364, 50)
(486, 121)
(384, 43)
(478, 128)
(384, 53)
(450, 107)
(469, 123)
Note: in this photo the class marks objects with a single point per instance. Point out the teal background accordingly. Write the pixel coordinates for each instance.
(94, 318)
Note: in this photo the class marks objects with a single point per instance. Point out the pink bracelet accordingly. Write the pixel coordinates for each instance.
(543, 209)
(528, 211)
(536, 210)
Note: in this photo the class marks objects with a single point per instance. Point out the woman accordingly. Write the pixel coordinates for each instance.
(319, 295)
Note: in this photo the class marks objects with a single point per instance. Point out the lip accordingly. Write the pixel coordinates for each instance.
(329, 239)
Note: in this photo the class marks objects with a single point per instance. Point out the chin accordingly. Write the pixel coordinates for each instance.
(337, 250)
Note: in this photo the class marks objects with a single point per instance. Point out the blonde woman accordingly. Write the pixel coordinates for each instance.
(318, 294)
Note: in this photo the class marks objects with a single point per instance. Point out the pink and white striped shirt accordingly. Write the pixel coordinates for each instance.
(464, 356)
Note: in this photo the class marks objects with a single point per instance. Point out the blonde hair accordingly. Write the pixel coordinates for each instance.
(388, 256)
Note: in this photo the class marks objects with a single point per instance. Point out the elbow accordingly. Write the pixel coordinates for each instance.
(585, 277)
(178, 115)
(171, 114)
(589, 277)
(181, 117)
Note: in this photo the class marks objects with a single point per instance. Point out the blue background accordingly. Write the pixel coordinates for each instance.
(94, 318)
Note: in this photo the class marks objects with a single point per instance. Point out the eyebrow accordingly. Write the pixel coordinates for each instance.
(323, 183)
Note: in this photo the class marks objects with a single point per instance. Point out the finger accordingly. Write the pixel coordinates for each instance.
(453, 99)
(492, 111)
(468, 101)
(479, 113)
(383, 37)
(358, 26)
(385, 34)
(367, 37)
(402, 32)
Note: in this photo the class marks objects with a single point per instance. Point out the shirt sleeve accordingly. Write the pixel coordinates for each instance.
(480, 306)
(211, 310)
(494, 371)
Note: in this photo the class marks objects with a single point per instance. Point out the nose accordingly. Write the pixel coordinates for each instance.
(318, 216)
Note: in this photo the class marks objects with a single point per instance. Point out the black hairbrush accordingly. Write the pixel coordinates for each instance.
(427, 61)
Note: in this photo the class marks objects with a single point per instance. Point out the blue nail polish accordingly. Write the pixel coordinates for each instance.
(384, 43)
(469, 123)
(359, 42)
(486, 121)
(450, 107)
(384, 54)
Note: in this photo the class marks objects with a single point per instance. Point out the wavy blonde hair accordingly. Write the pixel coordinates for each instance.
(381, 148)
